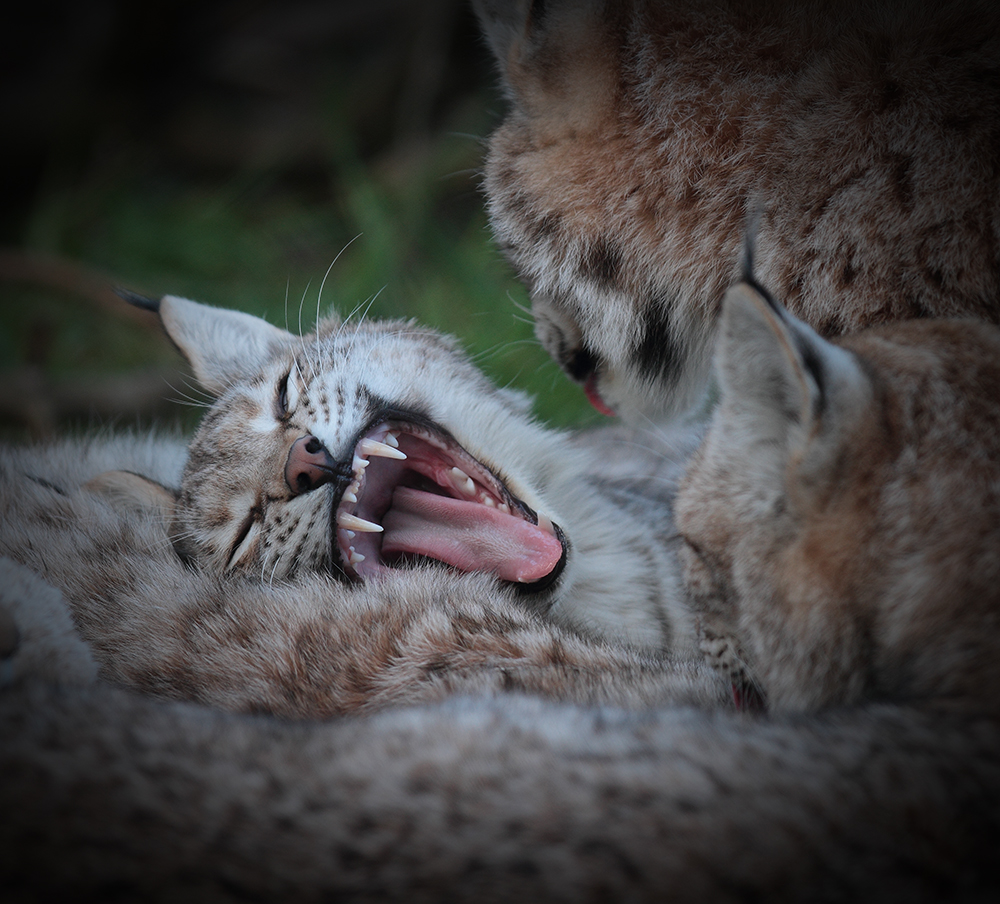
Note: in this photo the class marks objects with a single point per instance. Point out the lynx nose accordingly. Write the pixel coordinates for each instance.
(309, 465)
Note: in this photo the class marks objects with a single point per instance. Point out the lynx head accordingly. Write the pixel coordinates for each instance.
(842, 519)
(583, 203)
(360, 447)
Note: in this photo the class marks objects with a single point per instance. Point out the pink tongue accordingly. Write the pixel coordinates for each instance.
(468, 536)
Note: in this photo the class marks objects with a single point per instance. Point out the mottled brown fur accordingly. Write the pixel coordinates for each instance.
(874, 775)
(855, 552)
(863, 137)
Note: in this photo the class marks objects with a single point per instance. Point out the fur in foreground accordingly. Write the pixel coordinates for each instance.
(873, 775)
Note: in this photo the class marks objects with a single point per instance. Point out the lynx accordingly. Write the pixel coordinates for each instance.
(860, 138)
(361, 520)
(841, 525)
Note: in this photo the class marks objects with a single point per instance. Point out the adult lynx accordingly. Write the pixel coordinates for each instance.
(865, 136)
(842, 524)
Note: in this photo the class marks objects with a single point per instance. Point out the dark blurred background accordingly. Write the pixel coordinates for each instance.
(229, 152)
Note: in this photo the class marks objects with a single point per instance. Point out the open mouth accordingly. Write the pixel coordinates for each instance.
(416, 494)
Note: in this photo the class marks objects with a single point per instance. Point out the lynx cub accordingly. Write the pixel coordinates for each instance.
(642, 133)
(291, 560)
(842, 526)
(371, 446)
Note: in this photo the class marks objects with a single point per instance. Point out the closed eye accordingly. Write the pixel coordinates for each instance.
(281, 397)
(236, 550)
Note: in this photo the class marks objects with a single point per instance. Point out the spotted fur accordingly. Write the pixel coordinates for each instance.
(194, 571)
(842, 518)
(236, 511)
(862, 138)
(841, 524)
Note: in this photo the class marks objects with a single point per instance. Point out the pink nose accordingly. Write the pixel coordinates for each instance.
(309, 465)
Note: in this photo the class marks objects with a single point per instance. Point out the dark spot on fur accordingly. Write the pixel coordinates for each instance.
(902, 180)
(934, 276)
(656, 352)
(42, 482)
(892, 94)
(848, 274)
(601, 262)
(959, 123)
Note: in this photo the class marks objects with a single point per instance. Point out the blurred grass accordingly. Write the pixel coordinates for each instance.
(403, 219)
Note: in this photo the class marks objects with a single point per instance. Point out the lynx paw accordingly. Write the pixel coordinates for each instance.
(37, 636)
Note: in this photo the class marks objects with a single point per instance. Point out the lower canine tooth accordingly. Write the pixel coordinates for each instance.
(353, 522)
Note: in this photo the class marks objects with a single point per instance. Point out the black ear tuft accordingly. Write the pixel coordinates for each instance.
(754, 216)
(139, 301)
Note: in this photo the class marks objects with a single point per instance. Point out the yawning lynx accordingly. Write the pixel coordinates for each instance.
(286, 562)
(842, 528)
(373, 445)
(865, 136)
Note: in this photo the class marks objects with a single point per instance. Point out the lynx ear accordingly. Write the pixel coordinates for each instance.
(553, 56)
(222, 346)
(131, 492)
(788, 385)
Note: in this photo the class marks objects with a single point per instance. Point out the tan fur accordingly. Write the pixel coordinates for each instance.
(841, 522)
(842, 517)
(236, 511)
(863, 137)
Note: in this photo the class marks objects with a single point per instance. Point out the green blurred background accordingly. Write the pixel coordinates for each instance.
(229, 152)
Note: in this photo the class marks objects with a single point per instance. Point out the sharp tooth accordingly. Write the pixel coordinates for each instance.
(488, 500)
(391, 440)
(353, 522)
(349, 496)
(463, 481)
(355, 557)
(380, 450)
(349, 534)
(545, 523)
(359, 464)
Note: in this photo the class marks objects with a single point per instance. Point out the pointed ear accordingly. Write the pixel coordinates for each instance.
(222, 346)
(129, 492)
(553, 56)
(791, 384)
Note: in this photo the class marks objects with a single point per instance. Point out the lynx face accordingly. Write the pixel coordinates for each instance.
(842, 519)
(641, 135)
(331, 453)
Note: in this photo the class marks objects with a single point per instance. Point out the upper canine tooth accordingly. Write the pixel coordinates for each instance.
(382, 450)
(353, 522)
